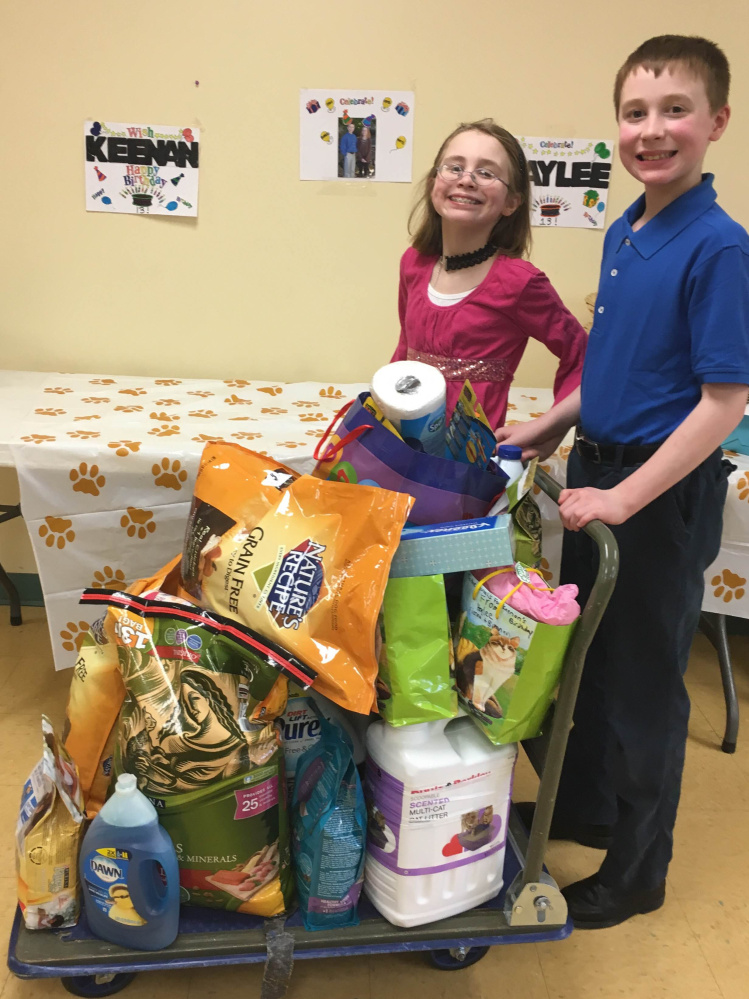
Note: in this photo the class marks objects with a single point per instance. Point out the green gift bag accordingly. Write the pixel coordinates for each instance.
(507, 665)
(414, 682)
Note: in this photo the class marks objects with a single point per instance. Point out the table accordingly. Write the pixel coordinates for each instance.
(106, 466)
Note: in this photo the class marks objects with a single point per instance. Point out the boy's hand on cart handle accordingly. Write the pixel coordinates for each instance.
(577, 507)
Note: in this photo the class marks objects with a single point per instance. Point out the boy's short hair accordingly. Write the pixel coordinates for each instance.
(698, 55)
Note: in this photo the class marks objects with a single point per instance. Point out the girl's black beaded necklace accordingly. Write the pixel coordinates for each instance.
(459, 261)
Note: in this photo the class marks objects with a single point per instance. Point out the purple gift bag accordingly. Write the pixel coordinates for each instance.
(360, 449)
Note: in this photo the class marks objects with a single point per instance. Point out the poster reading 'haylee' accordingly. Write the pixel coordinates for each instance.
(141, 169)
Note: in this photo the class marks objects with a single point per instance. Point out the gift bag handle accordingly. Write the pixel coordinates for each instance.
(506, 597)
(333, 449)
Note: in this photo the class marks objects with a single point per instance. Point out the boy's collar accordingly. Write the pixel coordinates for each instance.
(671, 220)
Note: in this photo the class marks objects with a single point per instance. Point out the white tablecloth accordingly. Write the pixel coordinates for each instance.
(106, 467)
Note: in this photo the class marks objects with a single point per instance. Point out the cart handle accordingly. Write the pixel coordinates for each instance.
(603, 587)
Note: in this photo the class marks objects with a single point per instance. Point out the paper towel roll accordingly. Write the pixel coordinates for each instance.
(411, 395)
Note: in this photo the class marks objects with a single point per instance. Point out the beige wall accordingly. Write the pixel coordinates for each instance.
(279, 279)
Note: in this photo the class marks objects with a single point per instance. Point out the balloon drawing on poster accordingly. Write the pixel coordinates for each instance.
(133, 169)
(360, 131)
(569, 180)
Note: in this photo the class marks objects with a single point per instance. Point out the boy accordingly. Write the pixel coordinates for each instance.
(664, 382)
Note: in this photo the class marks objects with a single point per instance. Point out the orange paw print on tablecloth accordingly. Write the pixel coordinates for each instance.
(73, 634)
(547, 469)
(564, 451)
(234, 400)
(138, 523)
(109, 579)
(163, 417)
(123, 448)
(167, 402)
(203, 414)
(271, 389)
(308, 404)
(128, 409)
(535, 416)
(331, 393)
(165, 430)
(317, 432)
(512, 423)
(95, 399)
(201, 393)
(167, 381)
(243, 419)
(728, 585)
(236, 382)
(205, 438)
(91, 416)
(290, 444)
(169, 474)
(545, 570)
(83, 435)
(245, 435)
(133, 391)
(533, 398)
(102, 381)
(50, 412)
(743, 487)
(87, 480)
(56, 532)
(58, 391)
(511, 406)
(38, 438)
(314, 417)
(273, 411)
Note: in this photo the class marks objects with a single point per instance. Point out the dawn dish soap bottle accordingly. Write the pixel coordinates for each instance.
(129, 872)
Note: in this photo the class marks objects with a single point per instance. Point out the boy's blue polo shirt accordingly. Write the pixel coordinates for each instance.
(672, 313)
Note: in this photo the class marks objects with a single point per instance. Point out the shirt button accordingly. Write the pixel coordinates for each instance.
(600, 309)
(614, 272)
(628, 241)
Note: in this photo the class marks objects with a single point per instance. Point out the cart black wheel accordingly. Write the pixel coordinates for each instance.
(456, 958)
(96, 986)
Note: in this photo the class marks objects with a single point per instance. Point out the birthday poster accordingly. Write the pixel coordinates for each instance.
(569, 181)
(141, 169)
(356, 135)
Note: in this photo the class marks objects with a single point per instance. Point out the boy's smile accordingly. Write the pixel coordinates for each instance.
(665, 128)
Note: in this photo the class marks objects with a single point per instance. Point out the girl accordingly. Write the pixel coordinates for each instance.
(468, 301)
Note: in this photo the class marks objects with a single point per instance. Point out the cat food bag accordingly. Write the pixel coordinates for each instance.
(414, 682)
(507, 665)
(301, 560)
(48, 837)
(329, 821)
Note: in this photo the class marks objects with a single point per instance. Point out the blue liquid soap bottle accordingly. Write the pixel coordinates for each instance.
(129, 872)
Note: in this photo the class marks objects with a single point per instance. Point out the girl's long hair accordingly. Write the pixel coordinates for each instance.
(512, 233)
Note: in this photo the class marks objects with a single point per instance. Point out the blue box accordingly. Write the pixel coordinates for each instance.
(458, 546)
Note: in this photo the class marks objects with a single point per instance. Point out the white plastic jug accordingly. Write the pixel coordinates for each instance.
(438, 795)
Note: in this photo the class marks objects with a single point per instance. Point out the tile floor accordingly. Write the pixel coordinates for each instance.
(697, 945)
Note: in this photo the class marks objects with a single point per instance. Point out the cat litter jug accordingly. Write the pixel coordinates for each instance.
(129, 872)
(438, 796)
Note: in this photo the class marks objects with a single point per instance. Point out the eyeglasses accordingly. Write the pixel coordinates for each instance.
(481, 176)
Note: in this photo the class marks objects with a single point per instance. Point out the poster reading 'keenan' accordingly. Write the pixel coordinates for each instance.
(569, 181)
(141, 169)
(356, 135)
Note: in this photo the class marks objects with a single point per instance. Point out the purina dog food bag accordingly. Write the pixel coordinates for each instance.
(300, 560)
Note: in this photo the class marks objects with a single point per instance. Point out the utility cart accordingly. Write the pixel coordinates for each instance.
(530, 907)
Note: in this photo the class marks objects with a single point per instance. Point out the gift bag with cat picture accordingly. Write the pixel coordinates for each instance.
(507, 664)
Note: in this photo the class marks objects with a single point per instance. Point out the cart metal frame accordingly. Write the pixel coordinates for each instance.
(529, 909)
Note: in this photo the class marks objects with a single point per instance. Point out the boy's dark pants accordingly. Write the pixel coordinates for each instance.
(626, 751)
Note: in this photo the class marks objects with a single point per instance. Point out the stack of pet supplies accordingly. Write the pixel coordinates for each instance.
(237, 684)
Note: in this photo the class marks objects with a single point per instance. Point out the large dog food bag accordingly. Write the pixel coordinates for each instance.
(300, 560)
